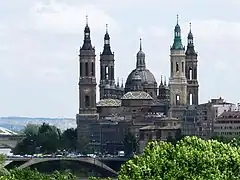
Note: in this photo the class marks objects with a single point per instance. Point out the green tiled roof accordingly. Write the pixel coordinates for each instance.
(136, 95)
(109, 103)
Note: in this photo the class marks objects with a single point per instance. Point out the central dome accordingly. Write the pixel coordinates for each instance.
(146, 77)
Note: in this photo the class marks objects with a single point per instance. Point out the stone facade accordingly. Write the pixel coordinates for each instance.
(141, 102)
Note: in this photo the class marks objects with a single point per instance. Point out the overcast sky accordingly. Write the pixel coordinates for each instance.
(40, 40)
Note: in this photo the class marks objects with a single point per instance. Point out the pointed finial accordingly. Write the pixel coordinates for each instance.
(122, 83)
(86, 19)
(165, 81)
(190, 26)
(140, 44)
(161, 80)
(106, 28)
(177, 18)
(118, 82)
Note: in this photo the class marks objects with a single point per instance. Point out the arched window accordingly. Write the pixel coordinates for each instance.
(81, 69)
(183, 67)
(177, 67)
(106, 72)
(86, 69)
(93, 69)
(87, 101)
(190, 74)
(177, 99)
(190, 99)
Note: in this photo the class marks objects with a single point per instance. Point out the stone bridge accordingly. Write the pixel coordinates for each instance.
(100, 164)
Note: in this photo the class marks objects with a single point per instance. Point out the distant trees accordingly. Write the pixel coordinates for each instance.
(46, 139)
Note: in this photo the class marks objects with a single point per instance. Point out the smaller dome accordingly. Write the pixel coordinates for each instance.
(136, 95)
(107, 86)
(140, 54)
(112, 86)
(109, 103)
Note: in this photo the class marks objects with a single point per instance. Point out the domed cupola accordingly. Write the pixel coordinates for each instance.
(148, 81)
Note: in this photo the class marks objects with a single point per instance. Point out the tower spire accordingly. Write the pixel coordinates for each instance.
(177, 44)
(140, 57)
(107, 48)
(87, 40)
(165, 81)
(140, 44)
(161, 83)
(190, 47)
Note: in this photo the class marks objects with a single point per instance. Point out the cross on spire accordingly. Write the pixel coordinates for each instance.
(190, 26)
(177, 18)
(86, 19)
(106, 28)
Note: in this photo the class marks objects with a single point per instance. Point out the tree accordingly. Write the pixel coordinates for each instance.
(191, 158)
(69, 139)
(45, 137)
(48, 138)
(31, 129)
(130, 144)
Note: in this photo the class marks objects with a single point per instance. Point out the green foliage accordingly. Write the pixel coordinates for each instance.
(26, 174)
(46, 139)
(69, 139)
(191, 158)
(31, 129)
(130, 144)
(97, 178)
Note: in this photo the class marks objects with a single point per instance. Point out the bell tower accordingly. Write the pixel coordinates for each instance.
(87, 79)
(177, 80)
(191, 71)
(107, 69)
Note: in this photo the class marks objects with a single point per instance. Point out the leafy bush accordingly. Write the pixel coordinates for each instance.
(26, 174)
(191, 158)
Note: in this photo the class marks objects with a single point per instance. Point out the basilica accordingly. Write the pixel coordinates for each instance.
(141, 103)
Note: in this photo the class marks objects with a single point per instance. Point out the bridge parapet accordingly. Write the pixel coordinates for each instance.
(88, 160)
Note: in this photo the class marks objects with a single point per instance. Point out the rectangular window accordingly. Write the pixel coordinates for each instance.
(86, 69)
(182, 66)
(93, 69)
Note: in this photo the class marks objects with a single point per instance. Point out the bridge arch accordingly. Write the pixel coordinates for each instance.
(88, 160)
